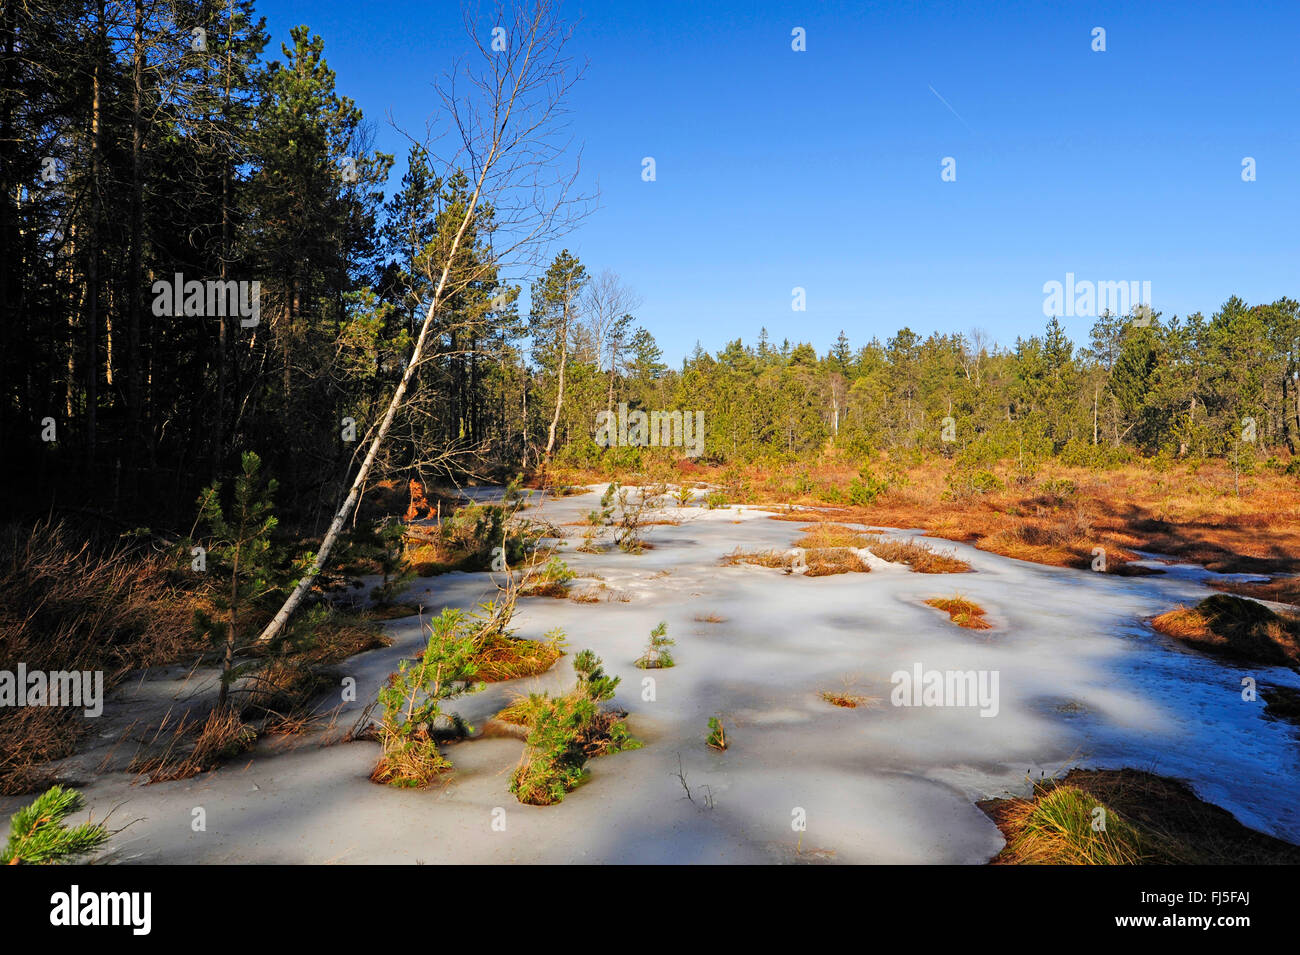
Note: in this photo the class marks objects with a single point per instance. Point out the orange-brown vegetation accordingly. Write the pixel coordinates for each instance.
(846, 700)
(919, 556)
(1149, 820)
(68, 605)
(819, 562)
(1050, 513)
(962, 612)
(1236, 627)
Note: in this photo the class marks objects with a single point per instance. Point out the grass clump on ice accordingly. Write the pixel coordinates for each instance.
(964, 613)
(1236, 627)
(1126, 817)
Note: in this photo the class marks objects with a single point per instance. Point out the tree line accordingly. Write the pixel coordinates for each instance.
(1141, 385)
(156, 141)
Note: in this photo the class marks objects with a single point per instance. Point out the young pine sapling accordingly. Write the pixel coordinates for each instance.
(657, 655)
(412, 701)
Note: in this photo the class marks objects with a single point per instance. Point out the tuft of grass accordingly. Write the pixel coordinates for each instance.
(567, 490)
(817, 536)
(847, 700)
(524, 710)
(1235, 627)
(1057, 828)
(763, 558)
(962, 612)
(916, 555)
(500, 657)
(1149, 819)
(821, 562)
(413, 765)
(544, 588)
(827, 561)
(395, 611)
(193, 748)
(710, 618)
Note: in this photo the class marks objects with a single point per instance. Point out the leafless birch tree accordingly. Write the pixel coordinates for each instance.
(506, 112)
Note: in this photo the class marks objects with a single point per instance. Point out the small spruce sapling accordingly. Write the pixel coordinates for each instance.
(657, 655)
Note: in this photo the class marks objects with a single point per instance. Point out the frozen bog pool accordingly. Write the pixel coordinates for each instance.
(1081, 681)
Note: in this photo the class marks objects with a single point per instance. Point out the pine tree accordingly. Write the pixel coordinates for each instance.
(240, 548)
(657, 655)
(38, 834)
(554, 315)
(412, 700)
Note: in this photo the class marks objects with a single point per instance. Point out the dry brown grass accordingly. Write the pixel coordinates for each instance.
(962, 612)
(275, 699)
(848, 701)
(824, 532)
(589, 596)
(394, 611)
(68, 605)
(820, 562)
(1186, 510)
(545, 588)
(430, 558)
(710, 618)
(1149, 820)
(917, 555)
(828, 534)
(338, 636)
(763, 558)
(192, 748)
(501, 658)
(523, 710)
(1236, 627)
(830, 560)
(415, 765)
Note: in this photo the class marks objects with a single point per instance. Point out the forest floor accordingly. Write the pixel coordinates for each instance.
(1083, 680)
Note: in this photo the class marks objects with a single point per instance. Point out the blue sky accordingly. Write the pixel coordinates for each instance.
(821, 169)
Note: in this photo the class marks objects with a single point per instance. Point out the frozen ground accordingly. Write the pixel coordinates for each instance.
(1082, 682)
